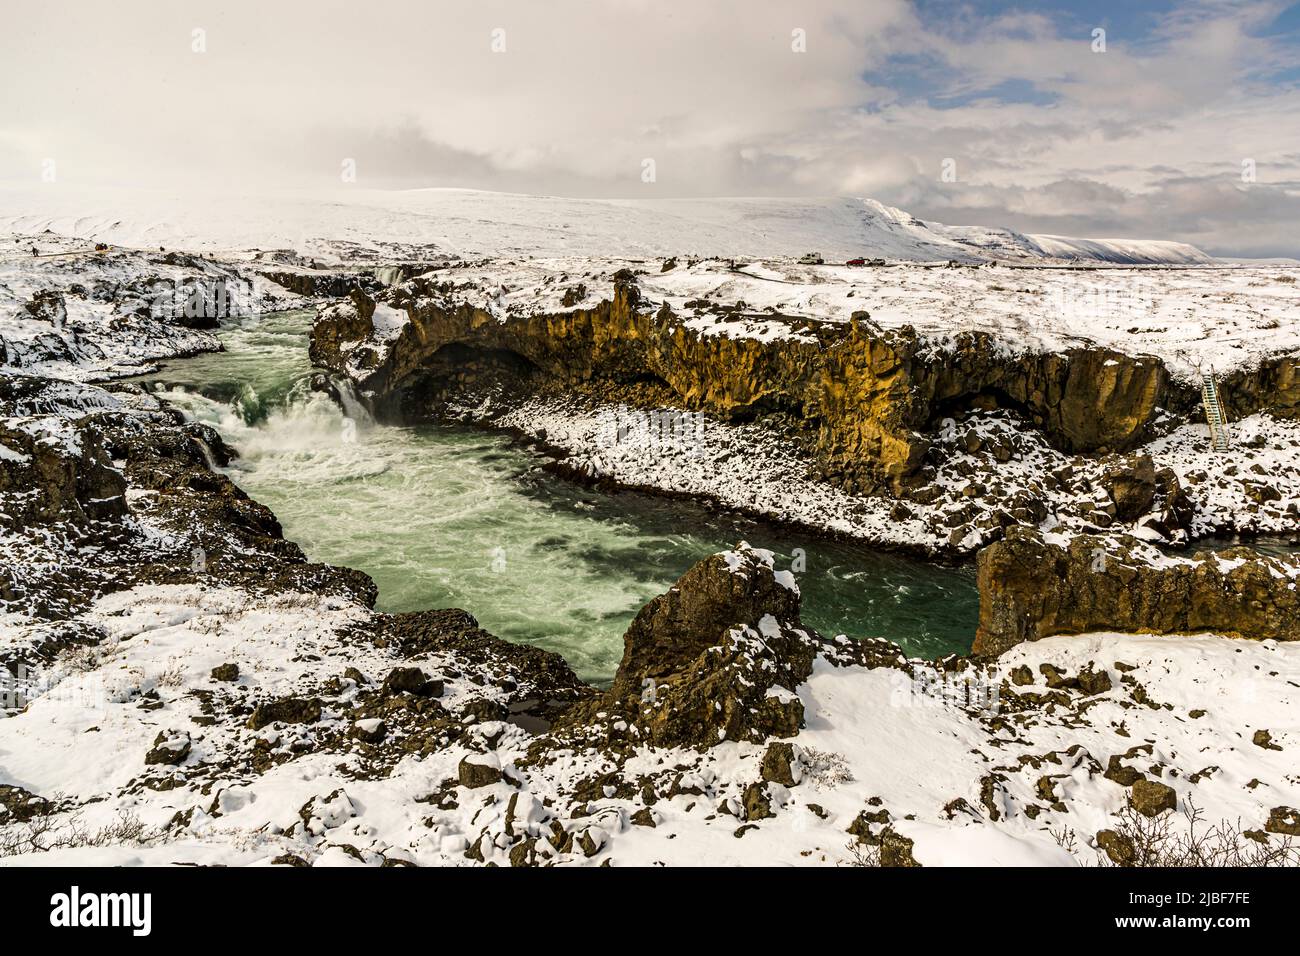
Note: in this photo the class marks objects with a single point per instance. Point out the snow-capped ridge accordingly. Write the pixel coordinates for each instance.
(358, 223)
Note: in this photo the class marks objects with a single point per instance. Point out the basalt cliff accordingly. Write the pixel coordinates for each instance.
(868, 400)
(997, 441)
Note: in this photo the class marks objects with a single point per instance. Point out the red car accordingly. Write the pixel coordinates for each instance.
(856, 262)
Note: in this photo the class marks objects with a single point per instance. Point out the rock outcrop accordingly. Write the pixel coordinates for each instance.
(867, 397)
(717, 657)
(318, 283)
(1030, 588)
(1273, 384)
(65, 467)
(69, 454)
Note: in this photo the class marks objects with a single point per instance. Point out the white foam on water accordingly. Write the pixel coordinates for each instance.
(446, 517)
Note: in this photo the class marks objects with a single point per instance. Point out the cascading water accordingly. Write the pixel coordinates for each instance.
(352, 407)
(459, 517)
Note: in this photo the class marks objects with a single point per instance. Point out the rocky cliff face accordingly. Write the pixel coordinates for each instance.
(866, 399)
(103, 490)
(717, 657)
(57, 471)
(1273, 384)
(1030, 589)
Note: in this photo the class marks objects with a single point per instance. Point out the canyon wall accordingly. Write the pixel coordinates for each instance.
(1030, 588)
(866, 397)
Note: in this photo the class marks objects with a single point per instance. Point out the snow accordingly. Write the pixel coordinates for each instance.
(355, 223)
(388, 322)
(865, 729)
(1192, 319)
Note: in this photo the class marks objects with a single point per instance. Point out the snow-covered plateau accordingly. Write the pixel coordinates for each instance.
(352, 224)
(182, 684)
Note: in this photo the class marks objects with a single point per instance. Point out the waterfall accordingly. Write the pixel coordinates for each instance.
(352, 404)
(390, 275)
(206, 450)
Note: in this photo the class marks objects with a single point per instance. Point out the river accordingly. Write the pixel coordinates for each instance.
(444, 516)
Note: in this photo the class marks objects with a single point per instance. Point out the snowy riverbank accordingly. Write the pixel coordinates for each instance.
(187, 687)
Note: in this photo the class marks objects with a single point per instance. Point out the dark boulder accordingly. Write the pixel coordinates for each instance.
(170, 747)
(479, 770)
(1284, 820)
(1119, 849)
(226, 672)
(1152, 798)
(286, 710)
(410, 680)
(1132, 486)
(779, 764)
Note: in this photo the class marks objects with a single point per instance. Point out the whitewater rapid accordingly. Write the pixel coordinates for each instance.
(460, 517)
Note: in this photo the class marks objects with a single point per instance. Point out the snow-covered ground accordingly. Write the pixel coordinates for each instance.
(1191, 318)
(354, 223)
(750, 469)
(971, 767)
(73, 313)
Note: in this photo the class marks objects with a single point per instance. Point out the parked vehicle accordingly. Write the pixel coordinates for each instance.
(812, 259)
(856, 262)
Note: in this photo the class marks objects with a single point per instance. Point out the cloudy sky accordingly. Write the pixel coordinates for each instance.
(1181, 121)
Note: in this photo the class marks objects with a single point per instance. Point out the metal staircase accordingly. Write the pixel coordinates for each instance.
(1220, 440)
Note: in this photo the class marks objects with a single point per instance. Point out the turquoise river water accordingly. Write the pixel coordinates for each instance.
(462, 517)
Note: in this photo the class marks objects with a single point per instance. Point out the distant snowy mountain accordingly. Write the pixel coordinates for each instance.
(349, 223)
(1004, 244)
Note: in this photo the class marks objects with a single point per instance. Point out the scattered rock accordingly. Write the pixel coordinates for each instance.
(1152, 798)
(1132, 486)
(896, 849)
(1056, 679)
(1284, 820)
(1093, 682)
(286, 710)
(480, 770)
(757, 804)
(226, 672)
(1117, 847)
(1123, 775)
(1264, 739)
(780, 765)
(372, 730)
(169, 747)
(410, 680)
